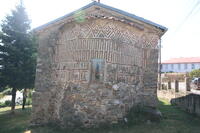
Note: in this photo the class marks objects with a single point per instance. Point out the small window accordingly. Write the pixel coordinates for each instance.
(185, 66)
(97, 69)
(166, 66)
(179, 66)
(172, 66)
(193, 66)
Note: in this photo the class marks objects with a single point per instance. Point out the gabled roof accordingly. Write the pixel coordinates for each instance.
(164, 29)
(182, 60)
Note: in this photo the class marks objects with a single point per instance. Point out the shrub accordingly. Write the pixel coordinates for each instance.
(28, 101)
(1, 95)
(7, 103)
(2, 105)
(30, 93)
(195, 73)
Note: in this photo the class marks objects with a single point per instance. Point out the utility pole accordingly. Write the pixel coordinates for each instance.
(159, 67)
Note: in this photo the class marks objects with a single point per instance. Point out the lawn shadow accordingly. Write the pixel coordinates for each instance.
(174, 121)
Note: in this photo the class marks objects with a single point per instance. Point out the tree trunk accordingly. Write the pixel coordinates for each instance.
(13, 100)
(24, 98)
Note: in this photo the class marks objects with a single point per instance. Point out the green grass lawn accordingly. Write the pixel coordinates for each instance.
(174, 121)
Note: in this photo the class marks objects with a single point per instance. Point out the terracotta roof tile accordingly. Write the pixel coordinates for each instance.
(182, 60)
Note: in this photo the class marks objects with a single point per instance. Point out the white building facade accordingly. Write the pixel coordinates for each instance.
(181, 64)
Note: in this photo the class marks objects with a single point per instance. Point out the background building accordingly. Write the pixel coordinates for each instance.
(181, 64)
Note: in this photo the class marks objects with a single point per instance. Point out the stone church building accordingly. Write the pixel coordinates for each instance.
(94, 65)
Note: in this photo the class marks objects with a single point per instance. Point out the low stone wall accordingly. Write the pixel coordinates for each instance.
(174, 85)
(177, 89)
(190, 103)
(170, 94)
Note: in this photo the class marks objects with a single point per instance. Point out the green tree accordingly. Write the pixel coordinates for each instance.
(17, 52)
(195, 73)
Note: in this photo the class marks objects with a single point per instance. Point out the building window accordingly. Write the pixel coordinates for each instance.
(172, 66)
(193, 66)
(97, 69)
(185, 66)
(166, 66)
(179, 66)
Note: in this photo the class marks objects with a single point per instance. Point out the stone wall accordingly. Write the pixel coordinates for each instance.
(94, 72)
(189, 103)
(177, 89)
(170, 94)
(174, 85)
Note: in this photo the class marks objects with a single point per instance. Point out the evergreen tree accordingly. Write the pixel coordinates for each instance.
(17, 52)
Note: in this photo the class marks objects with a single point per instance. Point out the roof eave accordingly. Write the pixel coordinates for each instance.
(164, 29)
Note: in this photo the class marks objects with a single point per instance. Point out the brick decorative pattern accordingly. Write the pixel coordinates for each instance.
(65, 93)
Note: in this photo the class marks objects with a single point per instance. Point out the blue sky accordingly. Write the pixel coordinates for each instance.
(181, 40)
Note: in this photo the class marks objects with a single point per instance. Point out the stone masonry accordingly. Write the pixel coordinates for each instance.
(93, 67)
